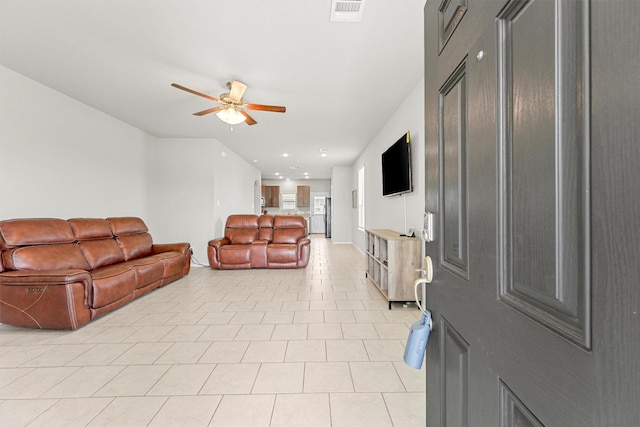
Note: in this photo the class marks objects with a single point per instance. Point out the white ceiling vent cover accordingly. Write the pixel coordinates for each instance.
(346, 10)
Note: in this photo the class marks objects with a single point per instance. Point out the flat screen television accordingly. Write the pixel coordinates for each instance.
(396, 167)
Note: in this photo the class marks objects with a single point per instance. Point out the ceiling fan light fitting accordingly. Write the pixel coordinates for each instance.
(231, 116)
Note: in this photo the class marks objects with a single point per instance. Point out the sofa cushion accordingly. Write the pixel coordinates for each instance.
(112, 283)
(289, 221)
(34, 231)
(135, 245)
(121, 226)
(241, 229)
(235, 254)
(242, 236)
(288, 228)
(90, 228)
(259, 254)
(265, 221)
(45, 257)
(173, 263)
(242, 221)
(149, 270)
(266, 228)
(288, 235)
(282, 253)
(101, 252)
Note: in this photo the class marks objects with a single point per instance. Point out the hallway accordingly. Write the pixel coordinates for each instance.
(309, 347)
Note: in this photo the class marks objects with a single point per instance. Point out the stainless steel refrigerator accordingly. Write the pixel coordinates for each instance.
(327, 217)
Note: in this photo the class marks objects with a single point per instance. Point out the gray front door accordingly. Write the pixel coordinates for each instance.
(532, 159)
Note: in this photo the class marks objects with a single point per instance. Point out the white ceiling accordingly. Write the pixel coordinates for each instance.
(340, 82)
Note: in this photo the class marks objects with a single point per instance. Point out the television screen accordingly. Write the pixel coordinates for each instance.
(396, 168)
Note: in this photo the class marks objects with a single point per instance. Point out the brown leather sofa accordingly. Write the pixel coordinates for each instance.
(265, 241)
(61, 274)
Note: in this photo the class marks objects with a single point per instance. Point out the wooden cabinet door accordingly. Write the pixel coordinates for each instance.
(271, 194)
(274, 196)
(303, 196)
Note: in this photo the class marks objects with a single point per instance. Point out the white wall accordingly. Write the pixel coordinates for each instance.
(193, 187)
(341, 210)
(397, 212)
(233, 184)
(62, 158)
(180, 192)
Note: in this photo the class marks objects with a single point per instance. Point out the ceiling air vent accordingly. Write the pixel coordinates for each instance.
(346, 10)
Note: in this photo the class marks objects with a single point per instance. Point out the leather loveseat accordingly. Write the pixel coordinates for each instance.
(61, 274)
(265, 241)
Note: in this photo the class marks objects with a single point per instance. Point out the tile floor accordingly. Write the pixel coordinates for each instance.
(307, 347)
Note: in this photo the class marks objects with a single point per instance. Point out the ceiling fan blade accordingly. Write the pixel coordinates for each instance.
(237, 90)
(209, 111)
(260, 107)
(249, 120)
(195, 92)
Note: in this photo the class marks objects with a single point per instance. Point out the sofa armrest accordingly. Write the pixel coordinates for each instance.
(213, 251)
(45, 277)
(304, 251)
(53, 299)
(170, 247)
(183, 248)
(216, 243)
(34, 278)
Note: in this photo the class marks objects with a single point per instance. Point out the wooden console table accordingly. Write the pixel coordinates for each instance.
(392, 261)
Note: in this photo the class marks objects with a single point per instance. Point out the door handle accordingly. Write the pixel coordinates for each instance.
(426, 272)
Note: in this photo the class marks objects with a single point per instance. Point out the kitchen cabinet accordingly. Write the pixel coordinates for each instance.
(271, 194)
(303, 196)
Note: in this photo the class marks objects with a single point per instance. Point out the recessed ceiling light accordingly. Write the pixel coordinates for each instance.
(277, 173)
(285, 155)
(281, 177)
(323, 155)
(306, 173)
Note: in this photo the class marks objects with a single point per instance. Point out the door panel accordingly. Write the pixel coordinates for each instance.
(450, 14)
(453, 173)
(513, 412)
(454, 376)
(544, 165)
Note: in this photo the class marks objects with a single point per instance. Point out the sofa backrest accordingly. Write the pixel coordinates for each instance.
(34, 231)
(288, 228)
(241, 229)
(83, 243)
(132, 236)
(266, 228)
(39, 244)
(96, 241)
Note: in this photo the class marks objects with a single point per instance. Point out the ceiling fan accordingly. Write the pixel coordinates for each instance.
(231, 111)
